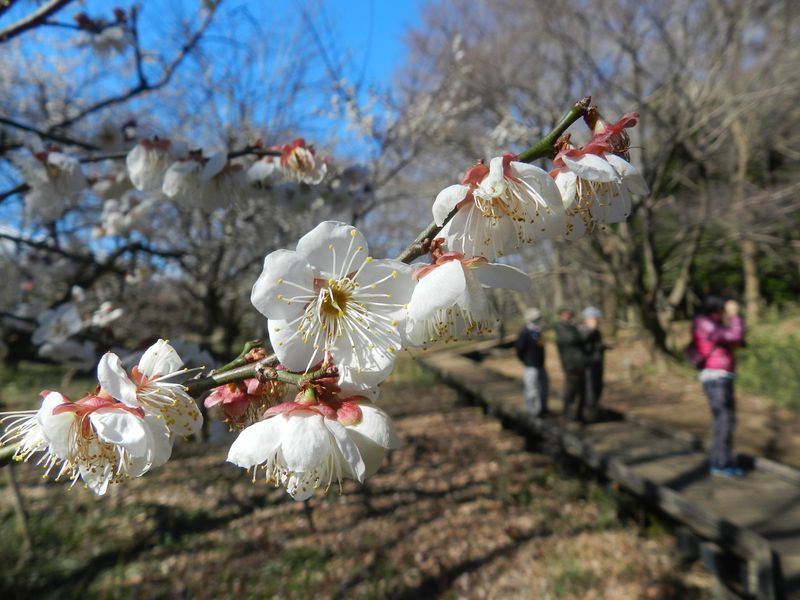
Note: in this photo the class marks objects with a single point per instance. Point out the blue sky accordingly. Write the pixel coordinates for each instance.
(374, 30)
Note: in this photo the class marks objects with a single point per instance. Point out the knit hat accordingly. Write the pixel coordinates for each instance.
(533, 314)
(591, 311)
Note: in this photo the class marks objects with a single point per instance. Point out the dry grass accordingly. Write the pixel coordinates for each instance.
(460, 511)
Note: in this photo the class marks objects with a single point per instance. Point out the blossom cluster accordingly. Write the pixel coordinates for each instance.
(124, 428)
(337, 317)
(329, 302)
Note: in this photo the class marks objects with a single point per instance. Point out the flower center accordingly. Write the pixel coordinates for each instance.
(333, 299)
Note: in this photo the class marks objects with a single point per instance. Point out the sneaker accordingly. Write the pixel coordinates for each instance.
(732, 472)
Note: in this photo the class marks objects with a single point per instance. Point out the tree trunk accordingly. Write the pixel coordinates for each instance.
(752, 295)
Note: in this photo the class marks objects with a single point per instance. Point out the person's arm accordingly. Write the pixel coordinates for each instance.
(521, 344)
(730, 335)
(733, 333)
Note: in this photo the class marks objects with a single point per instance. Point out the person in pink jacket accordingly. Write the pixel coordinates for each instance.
(718, 331)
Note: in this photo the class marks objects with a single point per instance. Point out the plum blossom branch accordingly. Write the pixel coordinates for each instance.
(544, 148)
(263, 370)
(62, 139)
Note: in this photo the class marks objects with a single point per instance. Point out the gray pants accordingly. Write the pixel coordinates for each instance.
(537, 387)
(723, 414)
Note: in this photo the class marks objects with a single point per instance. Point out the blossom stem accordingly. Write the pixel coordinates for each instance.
(544, 148)
(241, 359)
(263, 370)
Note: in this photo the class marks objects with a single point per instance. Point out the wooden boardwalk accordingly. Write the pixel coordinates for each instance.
(746, 531)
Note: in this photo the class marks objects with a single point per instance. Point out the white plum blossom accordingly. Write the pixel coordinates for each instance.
(205, 183)
(450, 301)
(300, 163)
(151, 386)
(500, 208)
(112, 186)
(55, 180)
(595, 187)
(330, 296)
(97, 439)
(262, 170)
(149, 160)
(57, 324)
(114, 38)
(309, 444)
(123, 216)
(105, 314)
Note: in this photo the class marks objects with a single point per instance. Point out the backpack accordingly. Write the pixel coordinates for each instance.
(694, 357)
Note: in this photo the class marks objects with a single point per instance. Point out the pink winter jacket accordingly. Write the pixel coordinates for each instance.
(717, 342)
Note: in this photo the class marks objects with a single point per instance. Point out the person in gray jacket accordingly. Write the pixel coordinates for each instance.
(571, 348)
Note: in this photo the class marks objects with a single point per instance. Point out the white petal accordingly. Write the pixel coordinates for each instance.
(57, 429)
(447, 200)
(98, 478)
(183, 417)
(361, 380)
(370, 366)
(474, 299)
(258, 442)
(260, 170)
(348, 449)
(306, 443)
(567, 183)
(292, 351)
(377, 426)
(177, 176)
(115, 381)
(373, 435)
(160, 359)
(630, 176)
(273, 291)
(612, 206)
(159, 442)
(330, 246)
(501, 276)
(438, 289)
(592, 168)
(122, 428)
(386, 276)
(214, 164)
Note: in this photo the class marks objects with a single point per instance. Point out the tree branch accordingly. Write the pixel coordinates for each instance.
(34, 19)
(145, 86)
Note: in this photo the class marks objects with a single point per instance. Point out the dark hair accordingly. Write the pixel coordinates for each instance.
(712, 304)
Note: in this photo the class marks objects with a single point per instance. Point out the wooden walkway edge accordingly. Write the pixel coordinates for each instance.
(748, 529)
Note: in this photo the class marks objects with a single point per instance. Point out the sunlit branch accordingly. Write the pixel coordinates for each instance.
(36, 18)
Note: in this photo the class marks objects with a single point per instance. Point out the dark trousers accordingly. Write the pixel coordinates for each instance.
(723, 414)
(574, 393)
(594, 387)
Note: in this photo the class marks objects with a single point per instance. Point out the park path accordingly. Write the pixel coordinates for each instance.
(675, 399)
(756, 519)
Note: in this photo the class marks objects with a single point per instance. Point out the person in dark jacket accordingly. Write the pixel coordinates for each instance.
(571, 349)
(594, 349)
(530, 350)
(717, 332)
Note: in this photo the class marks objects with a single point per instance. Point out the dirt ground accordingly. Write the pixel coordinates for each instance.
(672, 396)
(460, 511)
